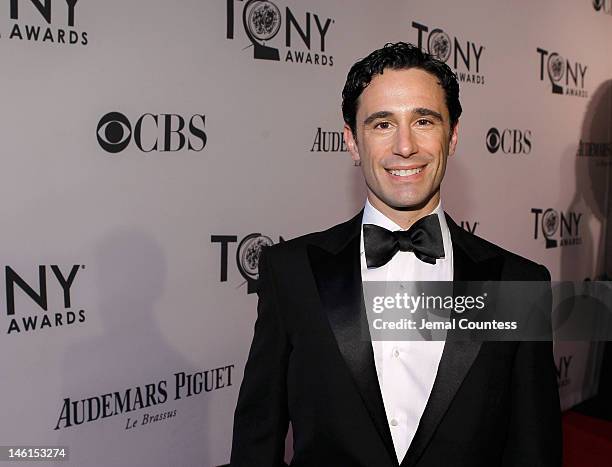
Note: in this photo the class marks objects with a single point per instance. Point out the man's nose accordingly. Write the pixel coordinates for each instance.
(404, 144)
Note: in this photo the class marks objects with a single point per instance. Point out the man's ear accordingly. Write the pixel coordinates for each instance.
(452, 144)
(351, 143)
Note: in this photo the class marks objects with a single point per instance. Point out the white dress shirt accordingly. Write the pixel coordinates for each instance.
(406, 369)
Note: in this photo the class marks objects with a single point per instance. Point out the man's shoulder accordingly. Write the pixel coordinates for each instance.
(515, 267)
(327, 239)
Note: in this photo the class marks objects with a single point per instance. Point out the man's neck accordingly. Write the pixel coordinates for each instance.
(405, 217)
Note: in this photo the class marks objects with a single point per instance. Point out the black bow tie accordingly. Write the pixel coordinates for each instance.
(424, 238)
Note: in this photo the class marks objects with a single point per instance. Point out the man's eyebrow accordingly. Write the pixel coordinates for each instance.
(421, 111)
(375, 115)
(425, 112)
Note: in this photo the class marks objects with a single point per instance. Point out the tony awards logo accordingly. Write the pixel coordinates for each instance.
(463, 56)
(558, 229)
(550, 224)
(247, 256)
(439, 44)
(53, 296)
(264, 23)
(557, 68)
(44, 22)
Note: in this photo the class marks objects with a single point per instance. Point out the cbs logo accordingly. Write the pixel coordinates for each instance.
(152, 132)
(509, 141)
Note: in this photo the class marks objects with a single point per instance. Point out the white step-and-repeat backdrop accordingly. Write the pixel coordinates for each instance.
(149, 149)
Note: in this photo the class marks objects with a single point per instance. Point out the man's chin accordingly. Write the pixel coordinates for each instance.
(402, 201)
(415, 204)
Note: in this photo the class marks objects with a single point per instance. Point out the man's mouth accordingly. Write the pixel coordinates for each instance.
(404, 172)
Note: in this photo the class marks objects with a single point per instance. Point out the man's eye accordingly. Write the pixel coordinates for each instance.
(424, 122)
(383, 125)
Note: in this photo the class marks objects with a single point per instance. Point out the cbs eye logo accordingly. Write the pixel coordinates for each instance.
(152, 132)
(114, 132)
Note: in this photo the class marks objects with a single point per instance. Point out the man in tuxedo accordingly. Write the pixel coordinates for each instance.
(353, 402)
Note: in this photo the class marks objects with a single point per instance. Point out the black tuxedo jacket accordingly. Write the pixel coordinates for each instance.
(492, 403)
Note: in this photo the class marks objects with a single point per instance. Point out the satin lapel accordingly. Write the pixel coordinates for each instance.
(457, 357)
(338, 279)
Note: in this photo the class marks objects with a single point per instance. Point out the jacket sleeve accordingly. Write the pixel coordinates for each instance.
(534, 433)
(261, 416)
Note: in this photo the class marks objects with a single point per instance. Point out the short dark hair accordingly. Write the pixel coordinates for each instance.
(397, 56)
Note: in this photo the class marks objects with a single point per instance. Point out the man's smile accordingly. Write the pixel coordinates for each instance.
(405, 172)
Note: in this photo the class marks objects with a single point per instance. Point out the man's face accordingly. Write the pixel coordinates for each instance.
(403, 139)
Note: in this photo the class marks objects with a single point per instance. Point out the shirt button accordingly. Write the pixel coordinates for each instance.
(396, 353)
(394, 422)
